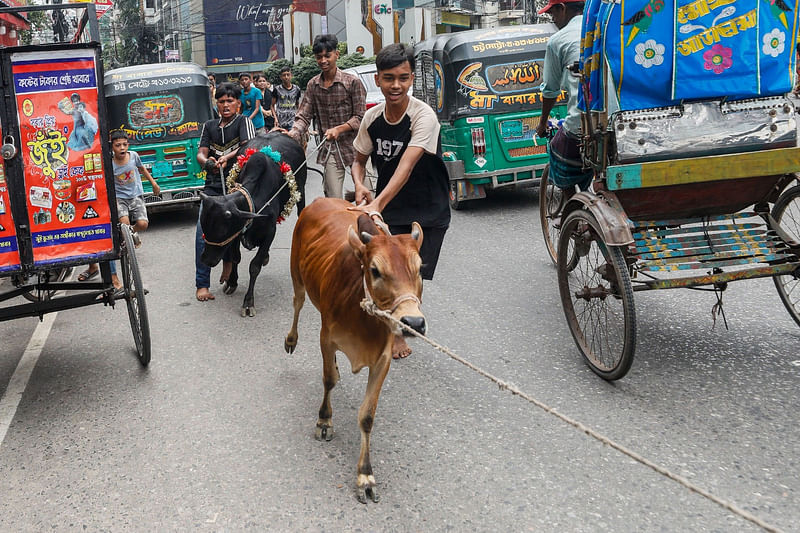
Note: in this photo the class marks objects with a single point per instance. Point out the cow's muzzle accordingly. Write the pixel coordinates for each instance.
(417, 323)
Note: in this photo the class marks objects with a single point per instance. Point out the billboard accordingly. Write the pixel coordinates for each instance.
(244, 31)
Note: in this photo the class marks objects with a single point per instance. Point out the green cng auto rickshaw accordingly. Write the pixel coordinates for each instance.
(485, 88)
(162, 107)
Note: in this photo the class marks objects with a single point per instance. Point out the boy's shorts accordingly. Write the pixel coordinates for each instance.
(133, 208)
(432, 239)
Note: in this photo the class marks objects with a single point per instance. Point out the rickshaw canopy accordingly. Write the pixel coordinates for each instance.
(663, 52)
(487, 71)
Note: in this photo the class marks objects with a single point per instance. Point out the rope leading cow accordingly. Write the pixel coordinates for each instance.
(338, 267)
(248, 214)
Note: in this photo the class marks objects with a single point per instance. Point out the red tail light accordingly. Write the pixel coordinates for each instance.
(478, 142)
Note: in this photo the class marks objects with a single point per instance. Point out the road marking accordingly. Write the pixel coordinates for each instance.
(19, 380)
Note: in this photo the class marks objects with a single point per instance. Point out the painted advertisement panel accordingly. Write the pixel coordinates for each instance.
(244, 31)
(9, 250)
(67, 201)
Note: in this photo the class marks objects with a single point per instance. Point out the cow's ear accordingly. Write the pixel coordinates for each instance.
(366, 225)
(416, 234)
(355, 242)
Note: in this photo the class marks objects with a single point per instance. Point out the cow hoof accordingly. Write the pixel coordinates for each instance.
(324, 433)
(248, 311)
(229, 289)
(367, 490)
(289, 347)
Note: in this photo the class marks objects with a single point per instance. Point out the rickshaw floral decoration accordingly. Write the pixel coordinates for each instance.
(704, 49)
(718, 58)
(649, 53)
(286, 170)
(774, 43)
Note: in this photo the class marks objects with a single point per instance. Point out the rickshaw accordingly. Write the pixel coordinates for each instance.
(57, 202)
(692, 176)
(163, 107)
(485, 88)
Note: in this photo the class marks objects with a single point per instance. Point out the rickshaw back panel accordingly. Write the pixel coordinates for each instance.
(703, 126)
(57, 193)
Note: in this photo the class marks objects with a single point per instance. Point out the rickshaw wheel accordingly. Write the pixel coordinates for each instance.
(455, 203)
(597, 296)
(552, 200)
(787, 213)
(52, 275)
(550, 205)
(134, 295)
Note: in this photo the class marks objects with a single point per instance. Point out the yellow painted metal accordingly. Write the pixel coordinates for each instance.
(720, 167)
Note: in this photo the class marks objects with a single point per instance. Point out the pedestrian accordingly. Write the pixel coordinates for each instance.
(219, 141)
(285, 100)
(337, 100)
(212, 87)
(251, 99)
(563, 49)
(131, 209)
(401, 135)
(262, 84)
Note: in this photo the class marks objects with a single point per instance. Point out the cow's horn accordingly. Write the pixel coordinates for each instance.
(203, 195)
(365, 237)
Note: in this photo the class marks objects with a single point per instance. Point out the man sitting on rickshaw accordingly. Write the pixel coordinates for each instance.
(563, 50)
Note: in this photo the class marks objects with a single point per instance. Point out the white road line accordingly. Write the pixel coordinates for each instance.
(19, 380)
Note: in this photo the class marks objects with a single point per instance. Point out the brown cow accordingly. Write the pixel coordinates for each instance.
(336, 267)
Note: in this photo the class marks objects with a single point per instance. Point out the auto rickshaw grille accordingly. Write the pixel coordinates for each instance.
(527, 150)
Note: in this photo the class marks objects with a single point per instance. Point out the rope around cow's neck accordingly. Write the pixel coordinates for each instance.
(370, 308)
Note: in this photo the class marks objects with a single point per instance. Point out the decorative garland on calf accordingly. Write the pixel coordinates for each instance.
(286, 170)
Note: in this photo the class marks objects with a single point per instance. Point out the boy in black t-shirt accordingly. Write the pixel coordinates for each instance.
(219, 142)
(285, 100)
(402, 137)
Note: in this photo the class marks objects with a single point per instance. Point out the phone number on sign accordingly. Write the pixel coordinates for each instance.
(153, 82)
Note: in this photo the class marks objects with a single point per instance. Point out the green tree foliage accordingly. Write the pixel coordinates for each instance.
(39, 22)
(307, 67)
(137, 44)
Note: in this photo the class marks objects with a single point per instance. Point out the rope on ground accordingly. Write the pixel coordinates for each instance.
(370, 308)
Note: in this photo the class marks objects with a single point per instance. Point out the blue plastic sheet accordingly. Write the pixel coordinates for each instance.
(660, 52)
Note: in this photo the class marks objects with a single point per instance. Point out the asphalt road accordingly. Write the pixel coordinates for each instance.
(217, 434)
